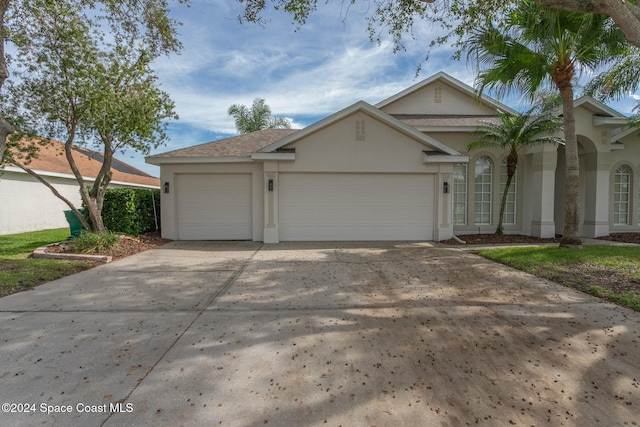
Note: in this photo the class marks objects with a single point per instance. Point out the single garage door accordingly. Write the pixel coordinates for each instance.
(356, 206)
(214, 206)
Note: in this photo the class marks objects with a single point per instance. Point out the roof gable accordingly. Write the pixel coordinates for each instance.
(596, 107)
(441, 94)
(363, 107)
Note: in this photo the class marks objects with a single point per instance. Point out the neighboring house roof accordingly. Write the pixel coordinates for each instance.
(233, 147)
(455, 83)
(52, 160)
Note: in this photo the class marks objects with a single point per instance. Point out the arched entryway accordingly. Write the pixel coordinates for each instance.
(594, 189)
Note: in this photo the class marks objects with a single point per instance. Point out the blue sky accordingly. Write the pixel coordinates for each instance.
(303, 74)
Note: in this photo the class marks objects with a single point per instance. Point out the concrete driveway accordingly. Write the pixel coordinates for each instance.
(314, 334)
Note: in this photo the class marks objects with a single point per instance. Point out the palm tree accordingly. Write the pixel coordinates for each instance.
(535, 47)
(514, 132)
(618, 81)
(256, 118)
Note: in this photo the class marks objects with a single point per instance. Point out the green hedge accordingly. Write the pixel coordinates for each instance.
(130, 211)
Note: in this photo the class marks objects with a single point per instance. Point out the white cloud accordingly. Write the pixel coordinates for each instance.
(305, 75)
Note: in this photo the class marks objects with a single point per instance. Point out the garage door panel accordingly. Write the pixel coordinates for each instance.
(356, 207)
(214, 207)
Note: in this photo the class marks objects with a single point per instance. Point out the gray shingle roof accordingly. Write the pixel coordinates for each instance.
(432, 120)
(235, 146)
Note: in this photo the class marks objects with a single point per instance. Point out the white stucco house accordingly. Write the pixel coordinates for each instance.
(28, 205)
(397, 170)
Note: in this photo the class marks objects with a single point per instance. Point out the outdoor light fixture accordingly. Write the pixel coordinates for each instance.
(270, 185)
(445, 187)
(165, 187)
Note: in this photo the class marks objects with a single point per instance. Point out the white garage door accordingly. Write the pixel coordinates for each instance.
(214, 206)
(356, 207)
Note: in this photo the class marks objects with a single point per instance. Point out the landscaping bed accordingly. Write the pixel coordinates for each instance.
(19, 271)
(492, 239)
(126, 246)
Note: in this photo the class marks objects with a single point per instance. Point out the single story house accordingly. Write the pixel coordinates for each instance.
(397, 170)
(28, 205)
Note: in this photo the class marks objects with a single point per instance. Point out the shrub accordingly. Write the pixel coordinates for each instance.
(89, 243)
(131, 211)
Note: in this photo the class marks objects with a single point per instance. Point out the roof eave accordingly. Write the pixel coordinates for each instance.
(609, 121)
(273, 156)
(446, 128)
(7, 168)
(444, 158)
(158, 161)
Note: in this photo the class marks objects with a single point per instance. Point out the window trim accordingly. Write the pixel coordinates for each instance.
(486, 199)
(461, 189)
(622, 170)
(513, 189)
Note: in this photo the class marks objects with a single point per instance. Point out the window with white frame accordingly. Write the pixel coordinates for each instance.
(621, 195)
(510, 205)
(460, 194)
(483, 172)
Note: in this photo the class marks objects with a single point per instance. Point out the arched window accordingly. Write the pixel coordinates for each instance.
(460, 194)
(621, 195)
(510, 206)
(483, 172)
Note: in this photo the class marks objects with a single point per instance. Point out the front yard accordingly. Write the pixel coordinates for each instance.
(20, 273)
(609, 272)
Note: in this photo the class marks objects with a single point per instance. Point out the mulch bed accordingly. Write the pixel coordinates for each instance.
(126, 246)
(492, 239)
(623, 237)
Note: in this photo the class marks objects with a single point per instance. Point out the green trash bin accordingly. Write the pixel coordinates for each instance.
(75, 226)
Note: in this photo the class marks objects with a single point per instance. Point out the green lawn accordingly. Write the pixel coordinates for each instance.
(609, 272)
(19, 273)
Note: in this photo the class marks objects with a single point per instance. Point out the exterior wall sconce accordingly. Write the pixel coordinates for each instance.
(165, 187)
(270, 185)
(445, 187)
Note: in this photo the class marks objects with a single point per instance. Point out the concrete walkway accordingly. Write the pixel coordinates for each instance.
(315, 334)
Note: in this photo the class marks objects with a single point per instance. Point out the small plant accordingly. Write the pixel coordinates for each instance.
(89, 243)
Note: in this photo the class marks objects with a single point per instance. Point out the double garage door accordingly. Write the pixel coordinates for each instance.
(312, 206)
(356, 207)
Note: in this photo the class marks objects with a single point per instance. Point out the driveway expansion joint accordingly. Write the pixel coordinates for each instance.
(227, 284)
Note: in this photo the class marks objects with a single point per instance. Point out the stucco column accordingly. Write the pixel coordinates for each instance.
(271, 234)
(444, 204)
(596, 194)
(540, 200)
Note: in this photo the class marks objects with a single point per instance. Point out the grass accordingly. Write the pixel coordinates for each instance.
(609, 272)
(19, 273)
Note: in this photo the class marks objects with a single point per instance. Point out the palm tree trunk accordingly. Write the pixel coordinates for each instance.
(570, 237)
(503, 203)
